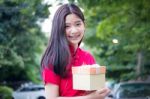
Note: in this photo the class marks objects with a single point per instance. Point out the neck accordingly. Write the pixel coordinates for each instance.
(73, 48)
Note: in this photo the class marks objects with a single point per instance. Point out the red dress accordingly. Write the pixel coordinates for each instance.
(65, 84)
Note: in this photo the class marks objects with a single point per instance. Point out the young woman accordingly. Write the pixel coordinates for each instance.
(63, 52)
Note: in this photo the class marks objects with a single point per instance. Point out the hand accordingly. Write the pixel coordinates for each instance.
(99, 94)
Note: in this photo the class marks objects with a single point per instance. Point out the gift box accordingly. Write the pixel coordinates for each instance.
(88, 77)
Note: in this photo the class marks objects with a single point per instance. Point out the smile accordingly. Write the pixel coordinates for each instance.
(74, 37)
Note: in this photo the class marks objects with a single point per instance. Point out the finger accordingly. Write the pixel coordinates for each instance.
(105, 93)
(102, 90)
(88, 92)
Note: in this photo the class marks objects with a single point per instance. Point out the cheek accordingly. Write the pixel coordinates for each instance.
(66, 32)
(82, 31)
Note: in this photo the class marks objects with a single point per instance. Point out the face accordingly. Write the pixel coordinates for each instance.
(74, 29)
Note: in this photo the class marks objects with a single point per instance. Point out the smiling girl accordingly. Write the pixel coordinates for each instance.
(63, 52)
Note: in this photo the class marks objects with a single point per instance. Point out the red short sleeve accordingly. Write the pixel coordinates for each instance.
(89, 58)
(50, 77)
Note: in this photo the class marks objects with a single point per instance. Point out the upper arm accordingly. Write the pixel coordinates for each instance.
(51, 81)
(51, 91)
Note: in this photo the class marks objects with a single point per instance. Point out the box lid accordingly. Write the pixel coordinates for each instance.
(89, 69)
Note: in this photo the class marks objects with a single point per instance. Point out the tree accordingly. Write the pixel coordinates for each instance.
(21, 39)
(123, 20)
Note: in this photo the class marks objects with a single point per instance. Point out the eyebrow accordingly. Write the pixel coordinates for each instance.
(78, 21)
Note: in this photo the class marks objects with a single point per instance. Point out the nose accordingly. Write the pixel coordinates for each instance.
(73, 30)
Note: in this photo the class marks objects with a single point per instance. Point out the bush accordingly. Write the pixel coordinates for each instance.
(5, 92)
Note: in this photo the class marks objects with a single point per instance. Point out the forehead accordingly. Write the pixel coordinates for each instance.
(71, 18)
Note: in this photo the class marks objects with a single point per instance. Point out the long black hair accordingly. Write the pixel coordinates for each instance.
(57, 55)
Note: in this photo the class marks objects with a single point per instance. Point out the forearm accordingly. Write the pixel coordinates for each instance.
(77, 97)
(52, 92)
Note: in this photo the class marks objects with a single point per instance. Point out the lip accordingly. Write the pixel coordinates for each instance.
(74, 37)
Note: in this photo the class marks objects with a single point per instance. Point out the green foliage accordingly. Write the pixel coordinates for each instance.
(5, 92)
(127, 21)
(21, 39)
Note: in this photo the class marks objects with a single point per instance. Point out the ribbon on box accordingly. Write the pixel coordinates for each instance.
(89, 69)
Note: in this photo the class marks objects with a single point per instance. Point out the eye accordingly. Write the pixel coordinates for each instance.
(78, 24)
(67, 26)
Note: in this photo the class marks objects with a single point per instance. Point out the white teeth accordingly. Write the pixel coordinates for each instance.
(74, 37)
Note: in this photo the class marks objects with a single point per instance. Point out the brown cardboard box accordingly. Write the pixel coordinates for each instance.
(88, 77)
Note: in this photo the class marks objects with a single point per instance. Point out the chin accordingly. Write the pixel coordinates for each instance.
(74, 43)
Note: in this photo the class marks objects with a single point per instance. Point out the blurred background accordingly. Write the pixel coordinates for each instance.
(117, 34)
